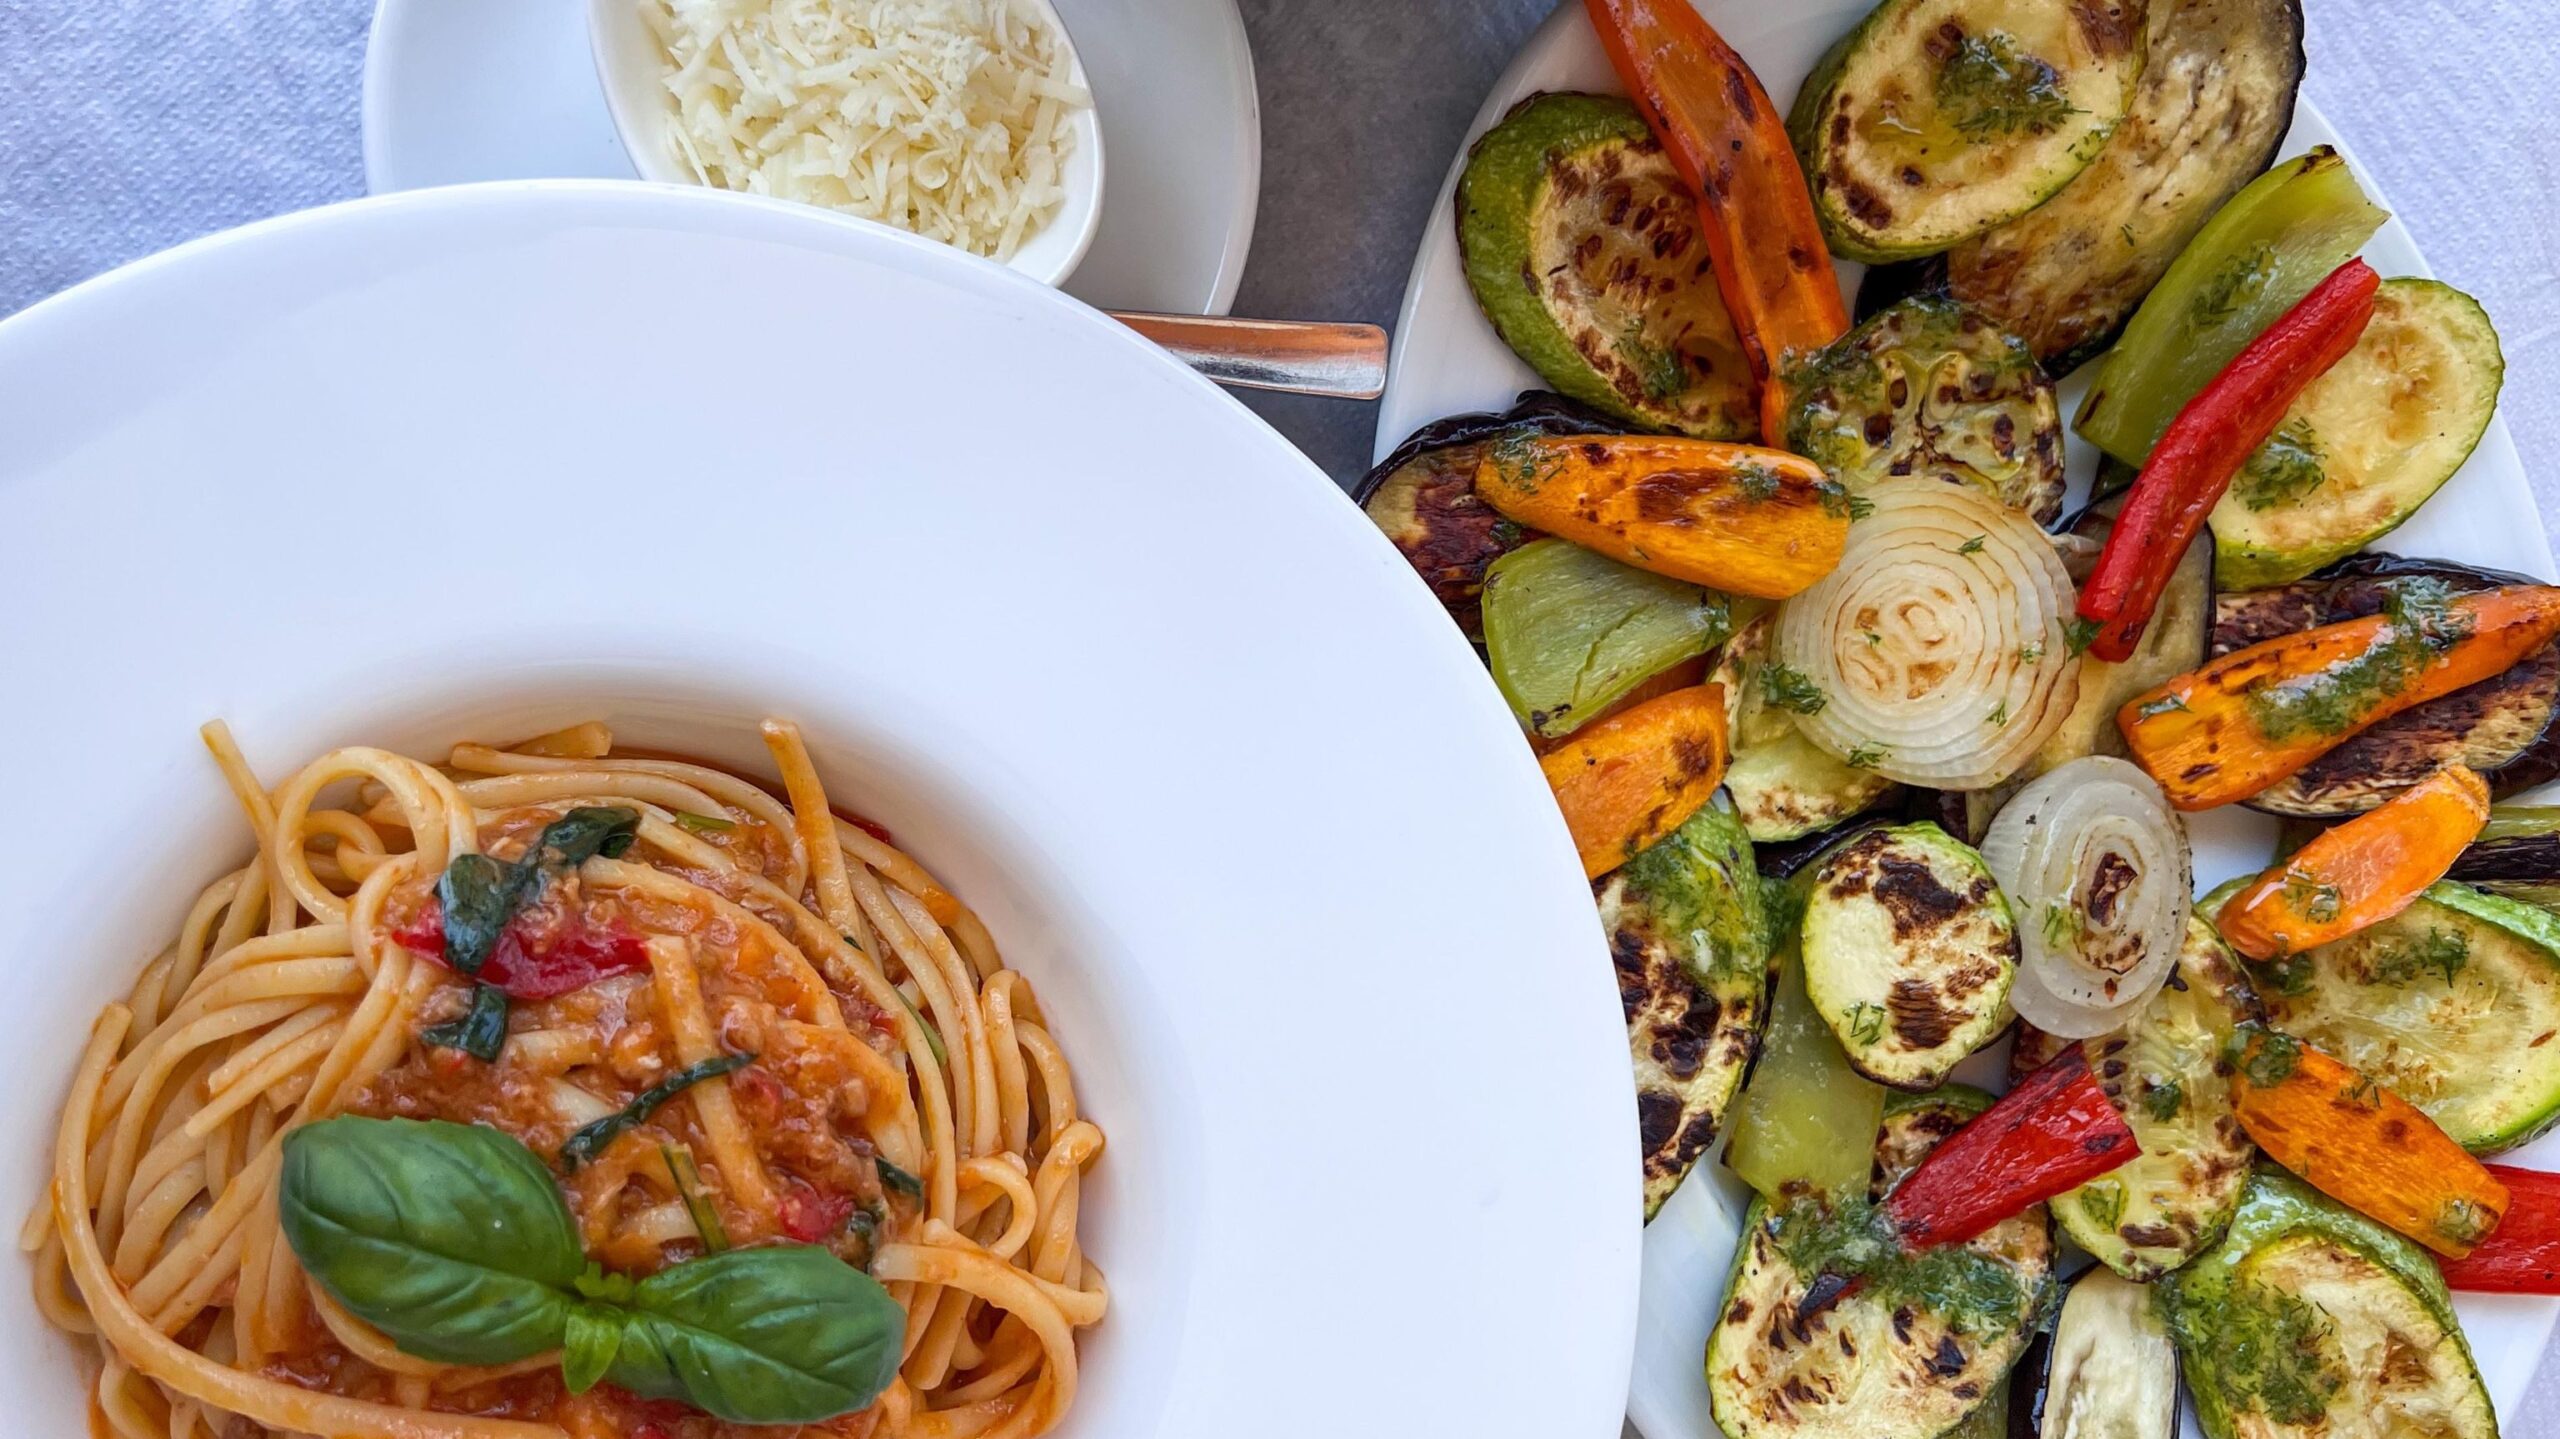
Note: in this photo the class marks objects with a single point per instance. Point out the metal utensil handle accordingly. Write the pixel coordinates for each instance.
(1304, 357)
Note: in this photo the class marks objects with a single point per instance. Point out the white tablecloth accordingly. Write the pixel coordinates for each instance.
(127, 126)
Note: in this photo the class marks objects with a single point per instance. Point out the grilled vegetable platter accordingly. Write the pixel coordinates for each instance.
(1954, 518)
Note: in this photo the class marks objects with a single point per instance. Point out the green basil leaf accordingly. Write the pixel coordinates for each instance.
(581, 835)
(594, 1337)
(590, 1141)
(898, 1179)
(449, 1238)
(787, 1334)
(481, 1031)
(479, 896)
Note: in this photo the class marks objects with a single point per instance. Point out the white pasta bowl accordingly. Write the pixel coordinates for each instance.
(1112, 659)
(631, 67)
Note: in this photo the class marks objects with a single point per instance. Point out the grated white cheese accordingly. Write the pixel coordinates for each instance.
(944, 117)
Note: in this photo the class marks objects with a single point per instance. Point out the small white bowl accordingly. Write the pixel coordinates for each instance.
(631, 66)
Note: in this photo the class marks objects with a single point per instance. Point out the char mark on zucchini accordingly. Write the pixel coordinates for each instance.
(1936, 120)
(1690, 936)
(1930, 387)
(2166, 1072)
(1828, 1330)
(1582, 246)
(1909, 950)
(2215, 99)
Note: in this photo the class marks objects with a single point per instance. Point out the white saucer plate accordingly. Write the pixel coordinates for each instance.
(1448, 360)
(463, 90)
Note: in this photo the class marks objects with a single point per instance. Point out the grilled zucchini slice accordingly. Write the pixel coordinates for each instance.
(1936, 120)
(2368, 442)
(1909, 950)
(2216, 96)
(2454, 1003)
(2165, 1073)
(1929, 387)
(1690, 938)
(1783, 786)
(1914, 1348)
(2310, 1321)
(1582, 246)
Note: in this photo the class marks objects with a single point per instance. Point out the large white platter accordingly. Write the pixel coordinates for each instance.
(1447, 360)
(1107, 652)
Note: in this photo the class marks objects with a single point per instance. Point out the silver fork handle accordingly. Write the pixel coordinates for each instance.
(1304, 357)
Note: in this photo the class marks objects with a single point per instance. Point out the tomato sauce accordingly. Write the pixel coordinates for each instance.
(586, 1035)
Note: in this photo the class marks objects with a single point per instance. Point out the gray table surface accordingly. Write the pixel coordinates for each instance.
(127, 126)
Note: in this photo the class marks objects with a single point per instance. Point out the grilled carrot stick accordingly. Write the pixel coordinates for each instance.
(2362, 872)
(2255, 716)
(1737, 518)
(2361, 1144)
(1626, 781)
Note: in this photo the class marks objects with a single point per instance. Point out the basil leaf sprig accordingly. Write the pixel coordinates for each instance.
(453, 1241)
(450, 1238)
(481, 896)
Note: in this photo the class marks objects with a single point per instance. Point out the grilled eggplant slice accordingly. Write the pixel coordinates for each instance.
(1423, 496)
(1930, 387)
(2166, 1074)
(2215, 99)
(1583, 248)
(2517, 855)
(2453, 1003)
(1909, 950)
(2503, 727)
(1828, 1333)
(2107, 1371)
(1691, 938)
(2310, 1321)
(1783, 786)
(1935, 120)
(2368, 443)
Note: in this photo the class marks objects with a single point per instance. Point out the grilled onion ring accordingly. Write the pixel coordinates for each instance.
(1938, 644)
(2097, 867)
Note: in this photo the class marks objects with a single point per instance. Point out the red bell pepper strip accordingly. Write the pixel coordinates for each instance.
(2208, 443)
(1730, 144)
(2055, 1131)
(2521, 1255)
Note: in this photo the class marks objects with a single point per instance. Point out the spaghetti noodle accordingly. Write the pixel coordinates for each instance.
(872, 1081)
